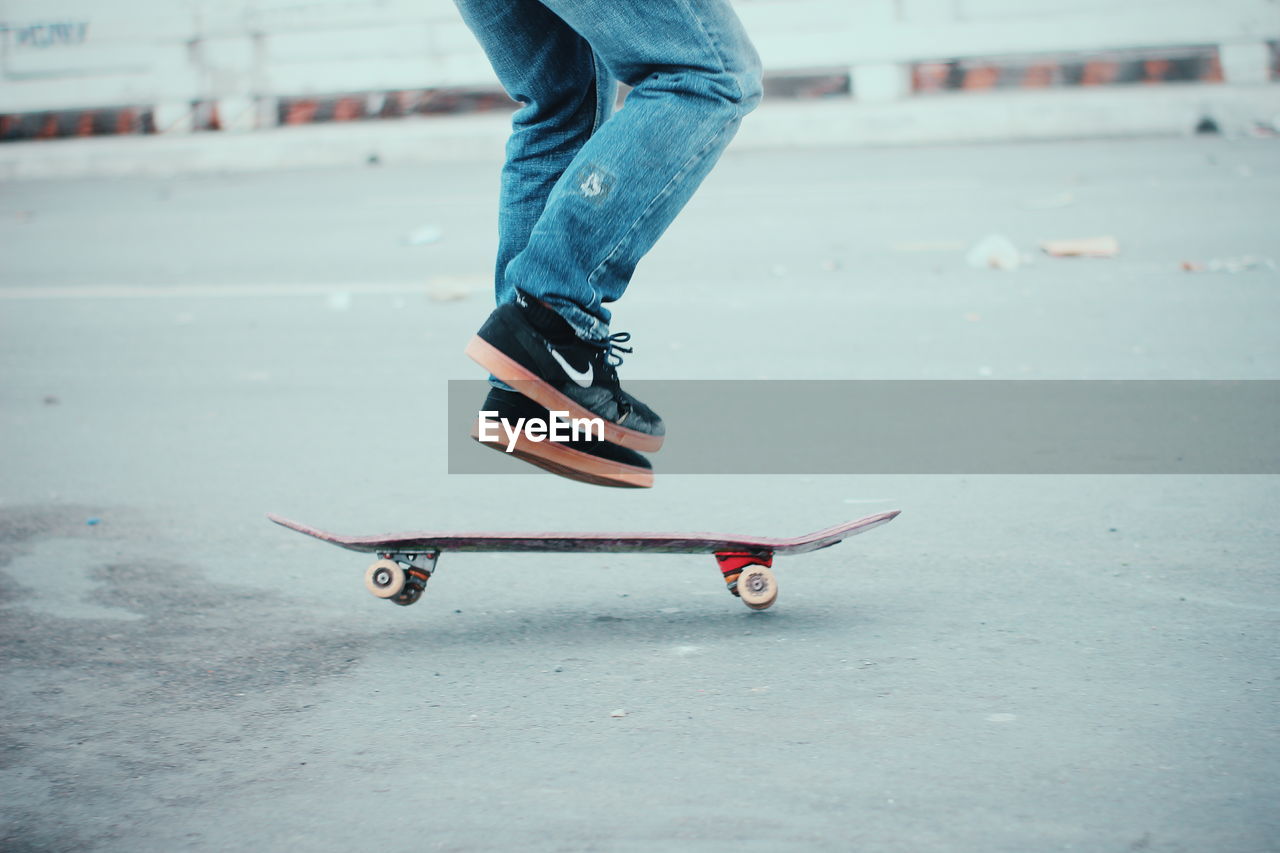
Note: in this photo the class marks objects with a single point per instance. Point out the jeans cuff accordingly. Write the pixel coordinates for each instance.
(586, 326)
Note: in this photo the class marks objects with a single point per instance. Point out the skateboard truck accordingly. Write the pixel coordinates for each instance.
(749, 576)
(401, 576)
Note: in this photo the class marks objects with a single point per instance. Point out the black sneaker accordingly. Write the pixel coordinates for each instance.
(589, 461)
(533, 349)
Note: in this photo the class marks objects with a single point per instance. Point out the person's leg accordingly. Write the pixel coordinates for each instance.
(694, 75)
(565, 95)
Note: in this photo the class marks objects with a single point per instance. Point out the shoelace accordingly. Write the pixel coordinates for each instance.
(612, 346)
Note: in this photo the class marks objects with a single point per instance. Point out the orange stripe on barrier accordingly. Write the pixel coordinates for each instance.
(301, 112)
(1040, 75)
(1099, 72)
(981, 77)
(84, 124)
(1211, 71)
(1156, 70)
(931, 76)
(347, 109)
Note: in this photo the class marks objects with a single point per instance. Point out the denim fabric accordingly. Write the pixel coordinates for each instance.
(587, 192)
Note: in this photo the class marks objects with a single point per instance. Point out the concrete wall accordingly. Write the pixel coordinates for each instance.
(182, 59)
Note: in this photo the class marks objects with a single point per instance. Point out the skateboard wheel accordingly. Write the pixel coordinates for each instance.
(757, 587)
(384, 579)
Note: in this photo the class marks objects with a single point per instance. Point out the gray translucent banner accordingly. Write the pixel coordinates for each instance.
(936, 427)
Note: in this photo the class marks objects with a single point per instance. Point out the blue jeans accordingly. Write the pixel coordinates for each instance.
(586, 192)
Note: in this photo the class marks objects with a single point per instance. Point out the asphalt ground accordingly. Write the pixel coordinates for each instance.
(1016, 663)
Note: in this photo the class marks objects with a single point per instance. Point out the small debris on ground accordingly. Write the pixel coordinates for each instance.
(995, 251)
(424, 236)
(618, 713)
(1207, 125)
(1266, 128)
(51, 400)
(1084, 247)
(449, 289)
(1244, 263)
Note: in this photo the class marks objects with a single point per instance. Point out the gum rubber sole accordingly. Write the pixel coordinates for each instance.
(529, 384)
(573, 464)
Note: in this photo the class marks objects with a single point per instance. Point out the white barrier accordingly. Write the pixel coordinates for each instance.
(243, 55)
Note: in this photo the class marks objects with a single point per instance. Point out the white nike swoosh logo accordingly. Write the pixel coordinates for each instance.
(582, 378)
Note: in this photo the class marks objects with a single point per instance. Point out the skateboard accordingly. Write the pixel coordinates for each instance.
(406, 561)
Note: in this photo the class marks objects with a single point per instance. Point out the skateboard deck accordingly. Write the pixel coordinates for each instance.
(407, 561)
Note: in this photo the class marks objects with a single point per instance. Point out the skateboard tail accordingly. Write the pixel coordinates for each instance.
(307, 530)
(295, 525)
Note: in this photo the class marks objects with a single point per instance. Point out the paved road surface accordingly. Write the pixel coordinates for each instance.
(1017, 663)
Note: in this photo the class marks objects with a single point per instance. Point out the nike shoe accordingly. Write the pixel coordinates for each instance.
(533, 349)
(586, 460)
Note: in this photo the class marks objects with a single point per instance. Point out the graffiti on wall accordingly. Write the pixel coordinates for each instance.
(45, 35)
